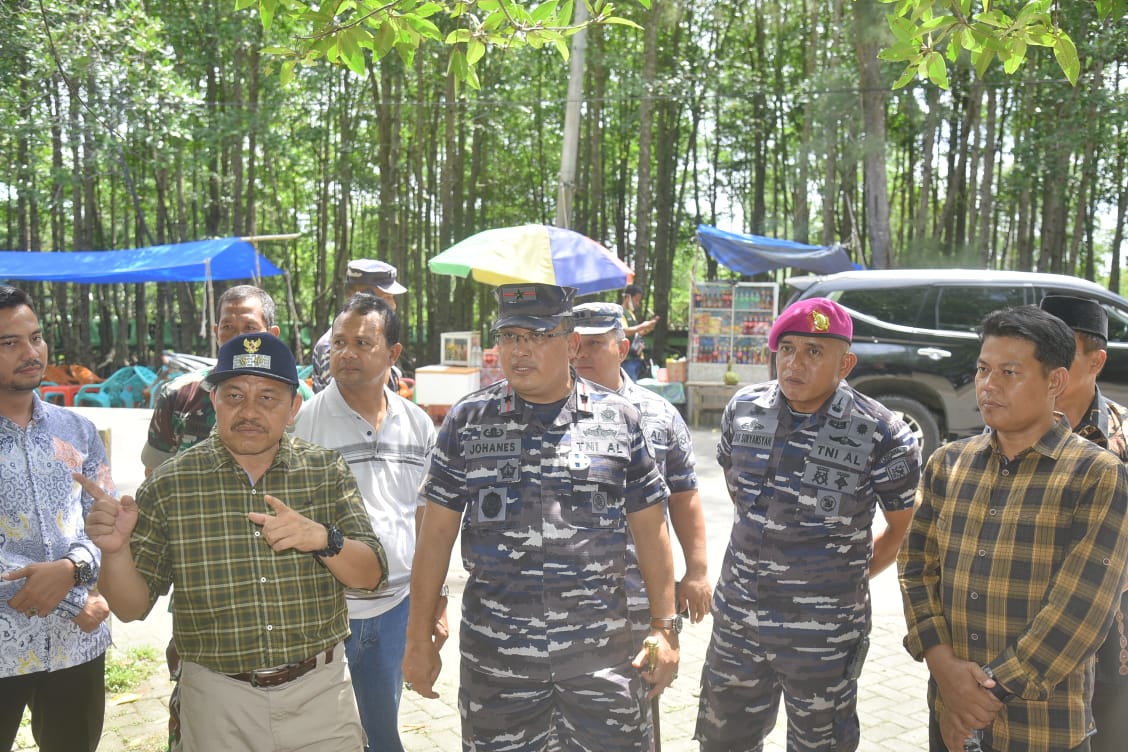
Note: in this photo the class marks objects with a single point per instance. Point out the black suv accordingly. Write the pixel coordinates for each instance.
(916, 341)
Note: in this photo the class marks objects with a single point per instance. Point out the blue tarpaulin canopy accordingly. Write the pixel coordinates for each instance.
(754, 254)
(199, 261)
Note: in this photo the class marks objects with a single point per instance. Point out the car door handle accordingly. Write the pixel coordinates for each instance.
(934, 353)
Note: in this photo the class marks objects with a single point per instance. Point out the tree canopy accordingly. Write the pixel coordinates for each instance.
(133, 124)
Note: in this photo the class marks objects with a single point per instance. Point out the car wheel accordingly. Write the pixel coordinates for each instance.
(920, 420)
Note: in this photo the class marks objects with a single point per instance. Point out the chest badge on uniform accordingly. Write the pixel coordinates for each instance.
(509, 471)
(578, 461)
(599, 502)
(491, 505)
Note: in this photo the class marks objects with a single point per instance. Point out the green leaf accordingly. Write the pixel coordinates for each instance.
(426, 10)
(472, 79)
(563, 48)
(348, 43)
(1013, 54)
(902, 28)
(475, 50)
(995, 18)
(244, 4)
(458, 36)
(1066, 54)
(939, 24)
(423, 26)
(286, 74)
(908, 75)
(266, 11)
(937, 70)
(615, 20)
(981, 59)
(900, 51)
(544, 11)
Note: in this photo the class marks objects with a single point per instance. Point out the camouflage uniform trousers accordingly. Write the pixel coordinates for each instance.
(742, 680)
(598, 712)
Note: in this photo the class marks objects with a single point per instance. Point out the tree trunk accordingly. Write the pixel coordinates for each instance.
(867, 23)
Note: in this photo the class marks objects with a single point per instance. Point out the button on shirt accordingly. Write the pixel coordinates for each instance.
(544, 527)
(1021, 571)
(389, 465)
(42, 518)
(806, 489)
(239, 604)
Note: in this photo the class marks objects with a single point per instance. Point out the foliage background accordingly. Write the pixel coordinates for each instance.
(130, 123)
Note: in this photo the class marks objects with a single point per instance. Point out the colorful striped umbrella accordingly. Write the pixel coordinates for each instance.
(534, 253)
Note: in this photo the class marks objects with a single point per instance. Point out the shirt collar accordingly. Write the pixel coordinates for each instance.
(1051, 444)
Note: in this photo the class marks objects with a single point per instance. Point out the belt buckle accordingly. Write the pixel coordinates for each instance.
(262, 677)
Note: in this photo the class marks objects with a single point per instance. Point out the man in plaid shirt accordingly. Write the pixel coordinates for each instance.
(1015, 560)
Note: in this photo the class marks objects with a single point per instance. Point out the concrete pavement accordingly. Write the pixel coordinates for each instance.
(891, 703)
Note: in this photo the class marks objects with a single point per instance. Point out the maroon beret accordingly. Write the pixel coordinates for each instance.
(813, 317)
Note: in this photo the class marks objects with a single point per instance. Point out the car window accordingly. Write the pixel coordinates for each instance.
(897, 306)
(962, 309)
(1117, 323)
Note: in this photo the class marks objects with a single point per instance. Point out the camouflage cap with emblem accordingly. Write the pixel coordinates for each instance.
(374, 273)
(597, 318)
(534, 306)
(257, 354)
(813, 317)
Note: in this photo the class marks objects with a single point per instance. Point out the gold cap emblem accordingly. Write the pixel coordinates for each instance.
(252, 345)
(820, 322)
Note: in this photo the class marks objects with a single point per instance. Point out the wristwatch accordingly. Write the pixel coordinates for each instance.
(83, 572)
(336, 541)
(1002, 694)
(667, 623)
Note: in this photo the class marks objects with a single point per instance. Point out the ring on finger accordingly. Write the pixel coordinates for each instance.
(33, 611)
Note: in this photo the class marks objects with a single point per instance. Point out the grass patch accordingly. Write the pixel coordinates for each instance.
(125, 671)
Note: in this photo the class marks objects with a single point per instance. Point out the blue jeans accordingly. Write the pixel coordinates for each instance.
(632, 366)
(375, 650)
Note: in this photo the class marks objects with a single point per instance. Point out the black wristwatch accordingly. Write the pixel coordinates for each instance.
(335, 543)
(1002, 694)
(667, 623)
(83, 572)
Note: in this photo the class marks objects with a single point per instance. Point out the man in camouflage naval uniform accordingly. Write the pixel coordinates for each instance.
(544, 473)
(1100, 420)
(603, 350)
(806, 460)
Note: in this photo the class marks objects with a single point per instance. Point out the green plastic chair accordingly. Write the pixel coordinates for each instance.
(124, 388)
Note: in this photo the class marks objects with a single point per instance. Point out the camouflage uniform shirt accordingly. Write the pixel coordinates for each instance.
(673, 449)
(1104, 426)
(544, 527)
(806, 489)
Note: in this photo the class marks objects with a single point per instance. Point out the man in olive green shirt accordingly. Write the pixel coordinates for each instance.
(261, 533)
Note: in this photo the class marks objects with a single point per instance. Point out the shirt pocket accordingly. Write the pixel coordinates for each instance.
(494, 500)
(596, 501)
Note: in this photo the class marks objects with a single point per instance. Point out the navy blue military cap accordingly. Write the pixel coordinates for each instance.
(1079, 314)
(534, 306)
(258, 354)
(597, 318)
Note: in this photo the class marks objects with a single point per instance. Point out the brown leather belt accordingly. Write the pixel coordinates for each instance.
(273, 677)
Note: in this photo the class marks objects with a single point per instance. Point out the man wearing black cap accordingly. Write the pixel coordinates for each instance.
(363, 275)
(261, 533)
(544, 473)
(1099, 419)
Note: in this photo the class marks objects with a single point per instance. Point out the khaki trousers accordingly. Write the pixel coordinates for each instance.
(314, 713)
